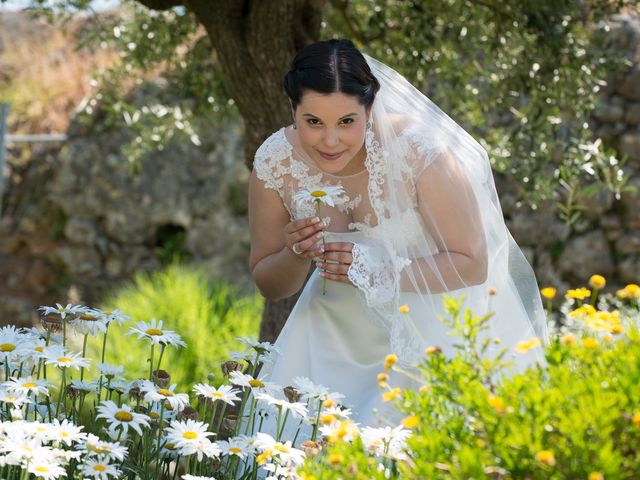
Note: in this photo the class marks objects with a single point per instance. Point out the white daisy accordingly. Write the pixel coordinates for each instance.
(46, 468)
(201, 448)
(94, 446)
(238, 446)
(89, 321)
(327, 194)
(224, 393)
(184, 432)
(386, 441)
(60, 310)
(10, 341)
(260, 347)
(27, 385)
(64, 359)
(272, 448)
(100, 469)
(153, 331)
(110, 371)
(297, 408)
(153, 393)
(194, 477)
(308, 389)
(66, 432)
(16, 399)
(116, 316)
(345, 430)
(86, 387)
(244, 380)
(121, 417)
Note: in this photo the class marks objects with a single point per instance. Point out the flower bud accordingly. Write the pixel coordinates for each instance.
(52, 323)
(230, 366)
(311, 449)
(291, 393)
(187, 413)
(161, 378)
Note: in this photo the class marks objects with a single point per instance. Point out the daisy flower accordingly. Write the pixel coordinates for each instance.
(297, 408)
(89, 321)
(327, 194)
(66, 432)
(153, 393)
(27, 385)
(94, 446)
(188, 431)
(272, 448)
(243, 380)
(202, 448)
(345, 430)
(46, 468)
(153, 331)
(385, 441)
(121, 417)
(194, 477)
(10, 341)
(115, 316)
(224, 393)
(308, 389)
(16, 399)
(100, 469)
(85, 387)
(64, 359)
(260, 347)
(238, 446)
(110, 371)
(60, 310)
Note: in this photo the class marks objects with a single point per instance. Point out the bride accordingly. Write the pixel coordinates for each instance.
(395, 204)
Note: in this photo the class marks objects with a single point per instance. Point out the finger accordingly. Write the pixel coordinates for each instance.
(310, 243)
(336, 277)
(307, 232)
(334, 268)
(338, 257)
(313, 253)
(339, 247)
(296, 225)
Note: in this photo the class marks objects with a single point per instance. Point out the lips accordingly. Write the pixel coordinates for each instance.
(330, 156)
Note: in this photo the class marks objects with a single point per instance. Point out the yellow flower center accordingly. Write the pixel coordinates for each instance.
(170, 446)
(154, 415)
(64, 360)
(123, 416)
(165, 392)
(29, 385)
(39, 349)
(281, 448)
(99, 468)
(254, 382)
(318, 193)
(103, 449)
(87, 317)
(7, 347)
(235, 450)
(189, 435)
(156, 332)
(217, 394)
(41, 469)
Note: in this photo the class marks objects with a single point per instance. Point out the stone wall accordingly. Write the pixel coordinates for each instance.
(85, 224)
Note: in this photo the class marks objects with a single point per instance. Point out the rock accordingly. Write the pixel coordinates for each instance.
(610, 221)
(630, 146)
(78, 260)
(629, 244)
(630, 201)
(595, 205)
(628, 270)
(81, 231)
(39, 277)
(608, 112)
(537, 228)
(630, 86)
(18, 312)
(585, 255)
(632, 114)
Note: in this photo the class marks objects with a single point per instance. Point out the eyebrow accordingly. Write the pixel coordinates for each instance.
(345, 116)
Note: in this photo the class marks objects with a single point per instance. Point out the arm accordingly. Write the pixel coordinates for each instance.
(278, 272)
(449, 209)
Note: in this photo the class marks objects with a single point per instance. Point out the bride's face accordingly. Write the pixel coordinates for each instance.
(331, 128)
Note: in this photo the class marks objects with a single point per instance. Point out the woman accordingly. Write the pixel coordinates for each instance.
(396, 205)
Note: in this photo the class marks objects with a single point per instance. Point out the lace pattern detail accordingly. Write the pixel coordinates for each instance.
(268, 162)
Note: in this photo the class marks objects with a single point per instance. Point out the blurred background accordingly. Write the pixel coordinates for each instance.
(128, 128)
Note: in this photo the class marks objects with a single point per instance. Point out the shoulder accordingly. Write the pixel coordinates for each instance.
(268, 162)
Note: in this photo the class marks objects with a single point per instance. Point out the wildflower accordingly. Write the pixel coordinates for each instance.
(66, 432)
(153, 331)
(297, 408)
(100, 469)
(88, 321)
(412, 421)
(153, 393)
(308, 389)
(109, 371)
(635, 419)
(64, 359)
(224, 393)
(582, 311)
(391, 395)
(382, 379)
(10, 341)
(189, 431)
(596, 476)
(546, 457)
(238, 446)
(93, 446)
(404, 308)
(60, 310)
(327, 194)
(578, 293)
(390, 360)
(27, 385)
(121, 417)
(526, 345)
(344, 430)
(46, 468)
(630, 291)
(310, 448)
(114, 316)
(597, 281)
(284, 451)
(497, 403)
(336, 459)
(424, 389)
(243, 380)
(589, 342)
(432, 350)
(548, 292)
(194, 477)
(386, 441)
(260, 347)
(568, 338)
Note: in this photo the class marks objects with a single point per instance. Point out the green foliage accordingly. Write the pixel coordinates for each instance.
(208, 316)
(575, 416)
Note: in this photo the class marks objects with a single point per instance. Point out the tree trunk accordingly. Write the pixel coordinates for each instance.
(255, 41)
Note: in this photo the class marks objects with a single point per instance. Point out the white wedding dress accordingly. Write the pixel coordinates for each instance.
(333, 338)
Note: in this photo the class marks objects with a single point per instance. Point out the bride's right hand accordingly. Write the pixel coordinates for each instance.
(301, 236)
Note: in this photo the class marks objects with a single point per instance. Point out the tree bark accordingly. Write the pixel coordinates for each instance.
(255, 41)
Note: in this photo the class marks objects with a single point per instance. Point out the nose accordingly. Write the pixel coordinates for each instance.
(331, 138)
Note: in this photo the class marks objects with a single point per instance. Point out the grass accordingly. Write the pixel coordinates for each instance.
(208, 316)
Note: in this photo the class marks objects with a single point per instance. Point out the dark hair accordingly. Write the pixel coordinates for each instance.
(331, 66)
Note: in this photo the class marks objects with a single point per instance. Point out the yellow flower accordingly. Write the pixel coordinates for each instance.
(596, 476)
(546, 457)
(568, 338)
(630, 291)
(335, 459)
(404, 308)
(527, 345)
(617, 329)
(390, 360)
(589, 342)
(424, 389)
(597, 281)
(432, 350)
(411, 421)
(635, 419)
(578, 293)
(382, 377)
(391, 395)
(548, 292)
(497, 403)
(582, 310)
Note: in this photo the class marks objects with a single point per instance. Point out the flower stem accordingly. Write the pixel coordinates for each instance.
(324, 280)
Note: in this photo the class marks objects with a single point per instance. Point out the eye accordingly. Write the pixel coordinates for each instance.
(347, 121)
(312, 121)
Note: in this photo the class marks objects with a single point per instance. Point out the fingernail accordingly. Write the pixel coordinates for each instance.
(316, 220)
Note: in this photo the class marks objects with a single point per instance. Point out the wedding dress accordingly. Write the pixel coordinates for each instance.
(404, 254)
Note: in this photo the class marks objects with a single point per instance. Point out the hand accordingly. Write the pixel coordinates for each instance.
(336, 261)
(302, 235)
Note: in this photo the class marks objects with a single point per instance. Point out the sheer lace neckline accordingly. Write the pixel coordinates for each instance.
(283, 132)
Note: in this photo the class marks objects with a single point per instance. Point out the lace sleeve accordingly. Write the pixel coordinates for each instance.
(422, 148)
(269, 161)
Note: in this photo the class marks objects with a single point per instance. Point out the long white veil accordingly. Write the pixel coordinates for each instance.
(438, 228)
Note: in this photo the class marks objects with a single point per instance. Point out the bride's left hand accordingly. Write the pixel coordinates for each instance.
(335, 261)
